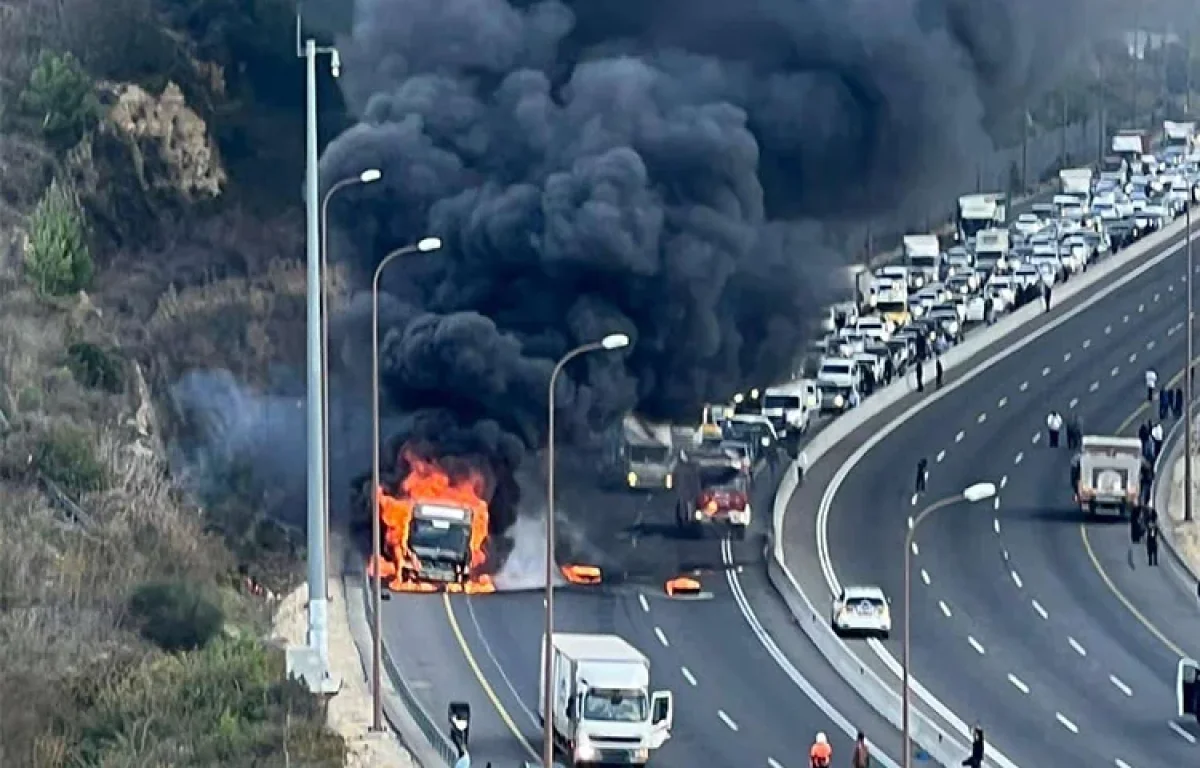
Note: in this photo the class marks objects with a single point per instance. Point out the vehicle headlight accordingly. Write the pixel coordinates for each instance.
(641, 754)
(920, 281)
(698, 514)
(839, 401)
(669, 481)
(766, 441)
(632, 479)
(584, 750)
(952, 326)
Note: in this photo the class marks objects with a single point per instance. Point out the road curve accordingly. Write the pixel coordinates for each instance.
(1012, 625)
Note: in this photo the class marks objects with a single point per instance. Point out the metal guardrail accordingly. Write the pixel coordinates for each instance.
(433, 734)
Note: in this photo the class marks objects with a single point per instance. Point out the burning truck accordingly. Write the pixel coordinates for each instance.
(435, 531)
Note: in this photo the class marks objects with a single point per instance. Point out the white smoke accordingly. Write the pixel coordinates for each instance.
(525, 567)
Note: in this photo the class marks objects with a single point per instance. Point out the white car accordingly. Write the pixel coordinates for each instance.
(862, 610)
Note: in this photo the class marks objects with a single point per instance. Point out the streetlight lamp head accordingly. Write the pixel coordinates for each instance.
(429, 244)
(979, 492)
(615, 341)
(370, 175)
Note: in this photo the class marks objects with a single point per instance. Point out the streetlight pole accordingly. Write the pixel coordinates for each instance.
(313, 663)
(427, 245)
(366, 177)
(974, 493)
(612, 341)
(1187, 370)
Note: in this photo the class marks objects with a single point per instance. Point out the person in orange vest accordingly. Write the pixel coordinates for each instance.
(821, 754)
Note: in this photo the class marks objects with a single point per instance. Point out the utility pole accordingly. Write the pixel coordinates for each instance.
(1187, 376)
(1062, 160)
(1187, 68)
(1025, 150)
(311, 663)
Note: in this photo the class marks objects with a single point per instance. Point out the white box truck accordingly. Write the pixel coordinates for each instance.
(603, 711)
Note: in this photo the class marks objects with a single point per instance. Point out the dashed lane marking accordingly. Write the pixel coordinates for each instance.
(1107, 329)
(1046, 371)
(1066, 357)
(1003, 481)
(1149, 345)
(727, 720)
(945, 608)
(773, 763)
(1076, 646)
(941, 455)
(958, 438)
(982, 418)
(976, 645)
(1189, 738)
(996, 503)
(1003, 402)
(916, 550)
(642, 601)
(1095, 386)
(1121, 686)
(1016, 577)
(1024, 386)
(1125, 319)
(925, 577)
(1114, 371)
(1074, 402)
(1016, 681)
(1133, 358)
(1017, 460)
(1036, 436)
(1040, 610)
(1087, 343)
(687, 675)
(1065, 723)
(662, 637)
(1122, 764)
(913, 500)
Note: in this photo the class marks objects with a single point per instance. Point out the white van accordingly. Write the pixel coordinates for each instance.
(790, 407)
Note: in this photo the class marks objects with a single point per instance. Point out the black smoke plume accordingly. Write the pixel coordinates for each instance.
(666, 169)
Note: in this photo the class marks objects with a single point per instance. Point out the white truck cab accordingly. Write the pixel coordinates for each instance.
(603, 711)
(790, 406)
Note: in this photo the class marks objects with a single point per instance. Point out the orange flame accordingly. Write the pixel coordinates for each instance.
(426, 482)
(682, 585)
(581, 574)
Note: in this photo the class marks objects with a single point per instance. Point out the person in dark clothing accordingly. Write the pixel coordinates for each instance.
(1165, 400)
(920, 373)
(1074, 433)
(868, 382)
(922, 474)
(987, 311)
(862, 754)
(975, 760)
(1075, 474)
(938, 372)
(1144, 433)
(1152, 543)
(1135, 527)
(889, 370)
(1177, 405)
(1046, 292)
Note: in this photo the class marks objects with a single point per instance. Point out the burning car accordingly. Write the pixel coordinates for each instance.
(435, 532)
(715, 496)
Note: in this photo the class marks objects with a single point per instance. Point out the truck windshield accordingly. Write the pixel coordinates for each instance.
(649, 454)
(786, 402)
(616, 705)
(923, 262)
(889, 307)
(438, 538)
(972, 226)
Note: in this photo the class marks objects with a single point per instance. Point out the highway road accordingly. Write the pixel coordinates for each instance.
(740, 699)
(1025, 618)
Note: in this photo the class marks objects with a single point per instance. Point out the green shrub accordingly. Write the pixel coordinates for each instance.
(175, 616)
(95, 367)
(60, 95)
(58, 261)
(68, 457)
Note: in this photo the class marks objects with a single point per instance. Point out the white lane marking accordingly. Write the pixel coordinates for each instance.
(945, 608)
(1046, 371)
(1003, 402)
(911, 522)
(958, 438)
(1087, 343)
(1036, 436)
(1004, 554)
(1189, 738)
(687, 675)
(941, 455)
(996, 524)
(925, 577)
(1074, 402)
(1141, 307)
(662, 638)
(1066, 723)
(1016, 681)
(1120, 764)
(727, 720)
(1157, 296)
(1121, 686)
(642, 601)
(1133, 357)
(1149, 345)
(1114, 371)
(1003, 481)
(1094, 387)
(975, 644)
(784, 663)
(1125, 319)
(1066, 357)
(982, 418)
(773, 763)
(915, 549)
(913, 500)
(1078, 648)
(1016, 577)
(996, 503)
(1024, 386)
(1017, 460)
(1040, 610)
(1108, 329)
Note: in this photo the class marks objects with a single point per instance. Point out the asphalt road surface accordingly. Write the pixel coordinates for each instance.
(1024, 617)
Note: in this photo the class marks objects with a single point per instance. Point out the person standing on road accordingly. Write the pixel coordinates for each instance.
(920, 372)
(922, 474)
(821, 754)
(1157, 436)
(1165, 401)
(1151, 384)
(862, 755)
(889, 370)
(1177, 402)
(1054, 422)
(938, 372)
(1046, 292)
(801, 465)
(1152, 543)
(1074, 433)
(975, 760)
